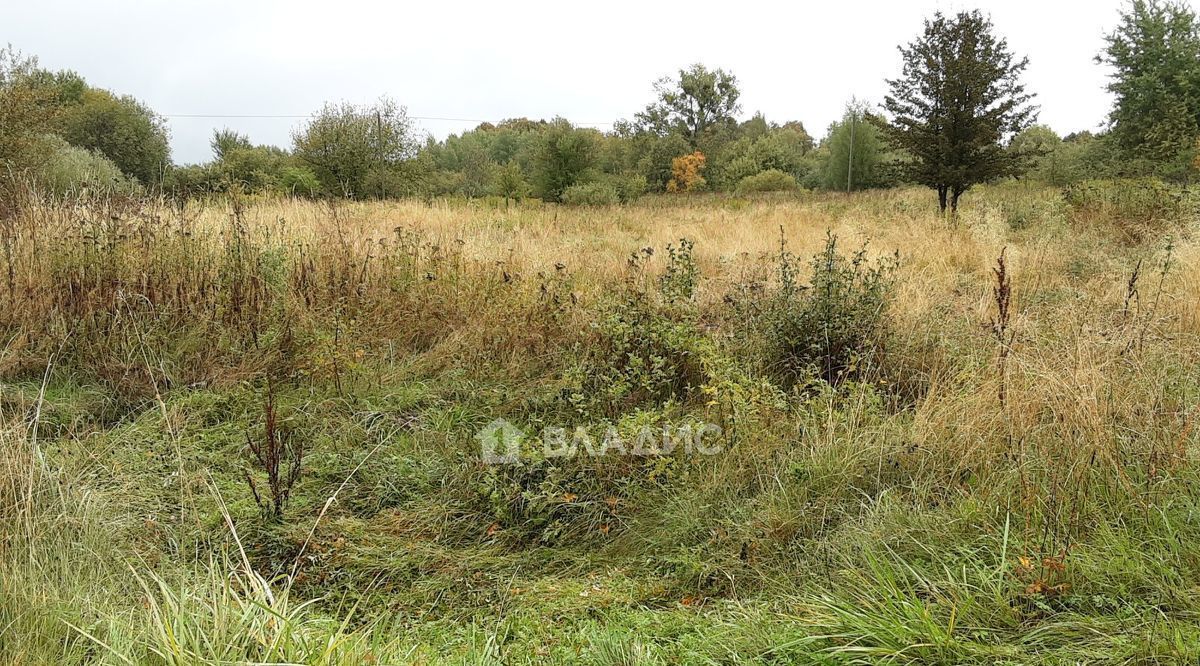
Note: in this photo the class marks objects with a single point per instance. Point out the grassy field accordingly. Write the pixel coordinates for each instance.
(967, 441)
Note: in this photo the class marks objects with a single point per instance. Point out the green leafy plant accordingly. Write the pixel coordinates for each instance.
(637, 356)
(678, 282)
(1125, 200)
(830, 329)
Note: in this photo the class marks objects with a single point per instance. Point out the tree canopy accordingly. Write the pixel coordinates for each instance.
(123, 129)
(696, 103)
(957, 115)
(958, 99)
(855, 151)
(359, 151)
(563, 157)
(1154, 53)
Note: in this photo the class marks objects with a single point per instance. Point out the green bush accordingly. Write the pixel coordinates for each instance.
(510, 182)
(628, 187)
(591, 194)
(125, 130)
(1021, 207)
(72, 171)
(638, 357)
(359, 151)
(811, 174)
(564, 157)
(771, 180)
(1020, 214)
(832, 329)
(192, 180)
(781, 149)
(299, 181)
(251, 169)
(646, 349)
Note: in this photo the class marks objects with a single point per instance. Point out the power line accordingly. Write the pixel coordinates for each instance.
(227, 115)
(309, 115)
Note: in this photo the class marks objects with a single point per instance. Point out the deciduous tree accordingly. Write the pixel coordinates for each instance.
(1154, 54)
(686, 173)
(563, 156)
(27, 112)
(855, 151)
(123, 129)
(698, 102)
(359, 151)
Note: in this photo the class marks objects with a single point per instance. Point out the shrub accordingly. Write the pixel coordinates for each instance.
(638, 357)
(359, 151)
(510, 183)
(126, 131)
(655, 155)
(1022, 212)
(771, 180)
(1019, 215)
(591, 194)
(629, 187)
(299, 181)
(72, 171)
(646, 349)
(678, 282)
(184, 182)
(811, 173)
(831, 329)
(783, 149)
(563, 157)
(251, 169)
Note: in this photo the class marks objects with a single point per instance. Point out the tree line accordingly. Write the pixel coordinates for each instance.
(957, 114)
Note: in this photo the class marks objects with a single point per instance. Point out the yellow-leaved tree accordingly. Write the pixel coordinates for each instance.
(685, 173)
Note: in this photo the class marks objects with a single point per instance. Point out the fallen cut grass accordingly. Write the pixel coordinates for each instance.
(896, 510)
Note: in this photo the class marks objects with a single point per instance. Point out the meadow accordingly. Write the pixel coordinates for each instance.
(243, 430)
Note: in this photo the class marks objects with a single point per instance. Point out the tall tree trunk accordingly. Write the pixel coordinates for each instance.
(955, 193)
(942, 199)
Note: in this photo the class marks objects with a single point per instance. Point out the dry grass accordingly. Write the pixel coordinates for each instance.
(978, 528)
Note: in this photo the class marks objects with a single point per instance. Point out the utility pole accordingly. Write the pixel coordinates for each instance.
(850, 156)
(379, 154)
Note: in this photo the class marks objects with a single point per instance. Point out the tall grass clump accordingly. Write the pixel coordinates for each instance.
(1138, 208)
(76, 592)
(61, 544)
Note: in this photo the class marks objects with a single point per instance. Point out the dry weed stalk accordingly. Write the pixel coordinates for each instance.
(279, 456)
(1002, 323)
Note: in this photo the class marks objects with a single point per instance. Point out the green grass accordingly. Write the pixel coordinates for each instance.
(898, 514)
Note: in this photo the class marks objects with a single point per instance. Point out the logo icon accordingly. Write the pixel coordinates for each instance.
(500, 443)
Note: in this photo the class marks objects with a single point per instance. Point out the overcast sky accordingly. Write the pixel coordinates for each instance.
(588, 62)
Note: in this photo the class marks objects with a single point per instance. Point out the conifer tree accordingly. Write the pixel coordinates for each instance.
(957, 101)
